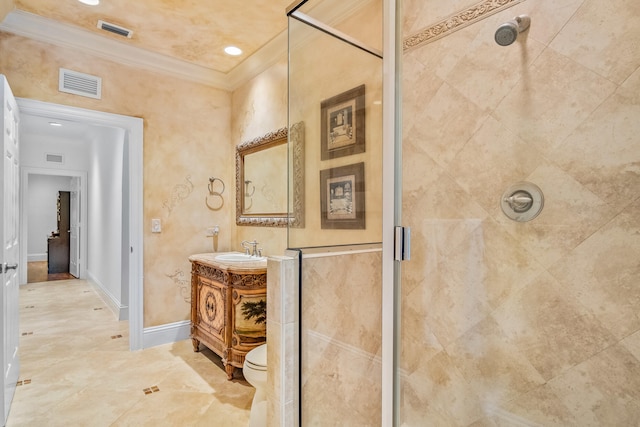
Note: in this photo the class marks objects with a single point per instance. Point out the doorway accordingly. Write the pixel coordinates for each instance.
(130, 135)
(46, 224)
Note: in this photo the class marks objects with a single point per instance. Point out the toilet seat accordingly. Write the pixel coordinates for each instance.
(256, 359)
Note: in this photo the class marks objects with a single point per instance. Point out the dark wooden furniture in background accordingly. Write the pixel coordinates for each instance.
(58, 242)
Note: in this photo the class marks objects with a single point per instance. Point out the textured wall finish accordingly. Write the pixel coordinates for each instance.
(6, 6)
(179, 192)
(509, 323)
(186, 134)
(183, 281)
(260, 107)
(314, 79)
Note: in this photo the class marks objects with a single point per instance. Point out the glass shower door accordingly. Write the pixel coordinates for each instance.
(512, 319)
(335, 95)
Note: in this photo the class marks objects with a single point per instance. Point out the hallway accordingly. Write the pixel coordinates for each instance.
(76, 369)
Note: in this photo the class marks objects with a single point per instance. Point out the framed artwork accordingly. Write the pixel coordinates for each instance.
(342, 122)
(342, 197)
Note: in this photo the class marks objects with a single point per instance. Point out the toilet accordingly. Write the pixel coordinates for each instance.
(255, 372)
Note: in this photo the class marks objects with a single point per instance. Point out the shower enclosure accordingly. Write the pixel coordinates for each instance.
(506, 322)
(335, 90)
(500, 320)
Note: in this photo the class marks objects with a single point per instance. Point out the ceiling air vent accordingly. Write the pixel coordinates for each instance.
(115, 29)
(55, 158)
(80, 84)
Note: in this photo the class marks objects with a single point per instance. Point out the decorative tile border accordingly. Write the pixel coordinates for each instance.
(456, 22)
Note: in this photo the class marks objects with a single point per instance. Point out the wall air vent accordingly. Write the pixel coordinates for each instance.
(115, 29)
(55, 158)
(80, 84)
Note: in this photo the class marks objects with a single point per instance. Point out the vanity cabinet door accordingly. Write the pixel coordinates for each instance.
(211, 311)
(249, 312)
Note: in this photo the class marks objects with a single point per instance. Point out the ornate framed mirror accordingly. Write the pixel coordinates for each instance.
(262, 181)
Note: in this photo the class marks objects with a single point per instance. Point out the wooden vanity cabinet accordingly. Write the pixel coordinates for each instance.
(228, 308)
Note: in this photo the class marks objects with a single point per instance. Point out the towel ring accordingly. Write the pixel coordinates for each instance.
(212, 180)
(206, 201)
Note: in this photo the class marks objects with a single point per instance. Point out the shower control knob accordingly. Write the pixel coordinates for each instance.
(522, 201)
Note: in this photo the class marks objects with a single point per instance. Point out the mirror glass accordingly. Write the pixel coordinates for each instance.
(265, 184)
(262, 179)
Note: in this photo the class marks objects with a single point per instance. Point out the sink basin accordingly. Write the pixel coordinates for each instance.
(238, 257)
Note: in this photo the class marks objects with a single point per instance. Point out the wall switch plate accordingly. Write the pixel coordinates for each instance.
(213, 231)
(156, 226)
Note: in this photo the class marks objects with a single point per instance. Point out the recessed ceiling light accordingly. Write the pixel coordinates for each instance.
(232, 50)
(90, 2)
(55, 124)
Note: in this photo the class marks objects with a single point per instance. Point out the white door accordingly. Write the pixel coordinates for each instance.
(9, 232)
(74, 227)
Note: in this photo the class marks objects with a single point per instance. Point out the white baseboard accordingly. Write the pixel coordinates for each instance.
(165, 334)
(36, 257)
(121, 311)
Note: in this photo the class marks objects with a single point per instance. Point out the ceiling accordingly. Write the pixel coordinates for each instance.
(184, 37)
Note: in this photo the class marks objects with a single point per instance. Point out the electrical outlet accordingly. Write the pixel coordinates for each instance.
(213, 231)
(156, 226)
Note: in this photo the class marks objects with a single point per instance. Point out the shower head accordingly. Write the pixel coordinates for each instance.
(507, 33)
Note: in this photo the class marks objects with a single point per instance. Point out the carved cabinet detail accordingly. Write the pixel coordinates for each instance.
(228, 308)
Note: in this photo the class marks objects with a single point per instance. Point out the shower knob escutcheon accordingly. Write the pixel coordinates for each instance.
(522, 201)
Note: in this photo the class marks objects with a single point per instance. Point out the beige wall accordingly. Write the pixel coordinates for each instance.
(510, 323)
(6, 6)
(322, 67)
(186, 141)
(257, 108)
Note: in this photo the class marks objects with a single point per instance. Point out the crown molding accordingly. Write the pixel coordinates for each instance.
(53, 32)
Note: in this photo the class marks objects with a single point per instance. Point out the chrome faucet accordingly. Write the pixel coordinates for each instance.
(251, 248)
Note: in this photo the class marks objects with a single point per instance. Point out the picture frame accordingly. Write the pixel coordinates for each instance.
(342, 124)
(342, 204)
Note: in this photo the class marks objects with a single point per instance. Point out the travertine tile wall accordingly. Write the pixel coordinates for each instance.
(186, 140)
(517, 323)
(341, 300)
(282, 338)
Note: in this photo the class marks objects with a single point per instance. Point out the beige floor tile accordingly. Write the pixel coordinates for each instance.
(77, 369)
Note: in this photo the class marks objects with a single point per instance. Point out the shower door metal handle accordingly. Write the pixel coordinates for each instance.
(402, 250)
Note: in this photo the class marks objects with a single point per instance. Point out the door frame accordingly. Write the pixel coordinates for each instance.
(133, 127)
(24, 224)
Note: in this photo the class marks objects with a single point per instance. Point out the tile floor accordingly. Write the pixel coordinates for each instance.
(77, 370)
(37, 271)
